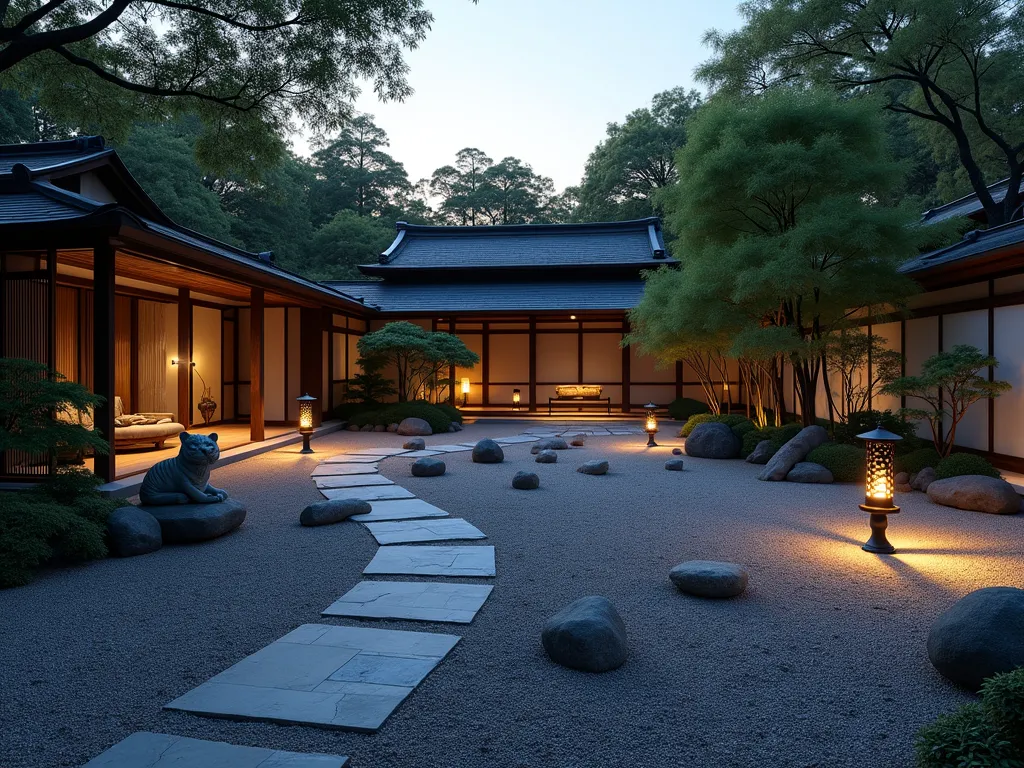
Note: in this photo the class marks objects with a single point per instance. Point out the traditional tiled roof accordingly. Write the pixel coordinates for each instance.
(976, 243)
(969, 205)
(536, 296)
(48, 155)
(620, 244)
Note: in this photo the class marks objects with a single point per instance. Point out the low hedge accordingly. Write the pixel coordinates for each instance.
(683, 408)
(693, 421)
(64, 519)
(738, 423)
(845, 462)
(957, 464)
(393, 413)
(917, 460)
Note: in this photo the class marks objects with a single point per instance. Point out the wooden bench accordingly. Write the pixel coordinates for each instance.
(579, 396)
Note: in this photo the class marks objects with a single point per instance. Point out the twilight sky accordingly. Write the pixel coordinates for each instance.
(540, 79)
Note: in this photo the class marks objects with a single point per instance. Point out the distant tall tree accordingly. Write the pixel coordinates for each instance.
(954, 67)
(343, 243)
(625, 171)
(461, 187)
(354, 171)
(247, 68)
(513, 193)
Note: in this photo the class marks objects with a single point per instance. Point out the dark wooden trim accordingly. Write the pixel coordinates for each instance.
(679, 379)
(184, 357)
(287, 363)
(485, 365)
(533, 363)
(627, 361)
(579, 351)
(991, 368)
(903, 352)
(992, 301)
(133, 352)
(451, 368)
(257, 430)
(51, 309)
(311, 358)
(105, 467)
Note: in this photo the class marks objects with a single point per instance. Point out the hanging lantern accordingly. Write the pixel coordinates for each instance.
(650, 423)
(880, 483)
(465, 391)
(515, 399)
(306, 420)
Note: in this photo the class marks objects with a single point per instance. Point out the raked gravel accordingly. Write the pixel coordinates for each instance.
(821, 663)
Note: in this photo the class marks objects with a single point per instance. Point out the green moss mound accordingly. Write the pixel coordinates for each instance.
(957, 464)
(693, 421)
(393, 413)
(736, 422)
(683, 408)
(845, 462)
(917, 460)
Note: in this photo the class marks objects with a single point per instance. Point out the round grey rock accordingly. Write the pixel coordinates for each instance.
(674, 465)
(187, 523)
(393, 427)
(456, 427)
(525, 481)
(923, 479)
(981, 635)
(415, 444)
(809, 472)
(333, 511)
(712, 440)
(428, 467)
(901, 478)
(546, 457)
(595, 467)
(414, 426)
(133, 531)
(352, 427)
(677, 451)
(366, 428)
(552, 444)
(380, 428)
(978, 493)
(708, 578)
(579, 441)
(587, 634)
(762, 453)
(488, 452)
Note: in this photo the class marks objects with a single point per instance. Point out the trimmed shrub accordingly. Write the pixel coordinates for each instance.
(957, 464)
(450, 411)
(1002, 699)
(784, 434)
(965, 738)
(752, 437)
(743, 428)
(845, 462)
(393, 413)
(917, 460)
(683, 408)
(732, 419)
(693, 421)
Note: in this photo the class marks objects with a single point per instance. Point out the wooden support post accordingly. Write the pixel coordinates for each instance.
(991, 369)
(451, 368)
(184, 357)
(485, 365)
(627, 357)
(103, 355)
(533, 364)
(257, 430)
(51, 308)
(311, 359)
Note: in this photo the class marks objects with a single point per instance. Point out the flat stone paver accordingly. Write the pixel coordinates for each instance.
(352, 481)
(379, 451)
(160, 750)
(409, 531)
(433, 561)
(399, 509)
(450, 448)
(517, 439)
(369, 493)
(349, 458)
(415, 600)
(420, 454)
(349, 678)
(333, 470)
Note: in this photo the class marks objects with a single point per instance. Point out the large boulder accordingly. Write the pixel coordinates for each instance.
(793, 452)
(333, 511)
(712, 440)
(587, 634)
(981, 635)
(488, 452)
(595, 467)
(133, 531)
(428, 467)
(809, 472)
(414, 426)
(546, 457)
(186, 523)
(415, 444)
(761, 453)
(923, 480)
(978, 493)
(526, 481)
(709, 578)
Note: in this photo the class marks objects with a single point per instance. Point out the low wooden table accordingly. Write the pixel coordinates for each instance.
(580, 401)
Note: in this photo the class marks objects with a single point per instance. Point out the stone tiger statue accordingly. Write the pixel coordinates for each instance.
(185, 478)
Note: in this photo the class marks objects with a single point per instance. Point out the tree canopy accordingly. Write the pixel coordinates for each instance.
(776, 210)
(954, 67)
(247, 68)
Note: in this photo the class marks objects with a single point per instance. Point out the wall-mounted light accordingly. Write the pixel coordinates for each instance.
(515, 399)
(465, 391)
(572, 317)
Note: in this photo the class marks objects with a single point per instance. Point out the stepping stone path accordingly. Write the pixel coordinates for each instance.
(350, 678)
(157, 750)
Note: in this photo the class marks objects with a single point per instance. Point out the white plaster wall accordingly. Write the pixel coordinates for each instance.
(969, 328)
(510, 363)
(242, 406)
(890, 335)
(273, 370)
(949, 295)
(294, 366)
(922, 342)
(90, 186)
(475, 342)
(602, 358)
(206, 343)
(1009, 407)
(557, 359)
(1011, 284)
(645, 368)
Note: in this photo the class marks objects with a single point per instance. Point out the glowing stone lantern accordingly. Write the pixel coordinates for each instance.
(880, 483)
(650, 423)
(515, 399)
(465, 391)
(306, 420)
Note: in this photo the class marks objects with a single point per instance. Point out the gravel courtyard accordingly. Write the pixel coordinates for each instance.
(821, 663)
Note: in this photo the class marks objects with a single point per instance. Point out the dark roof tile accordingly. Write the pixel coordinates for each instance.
(975, 243)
